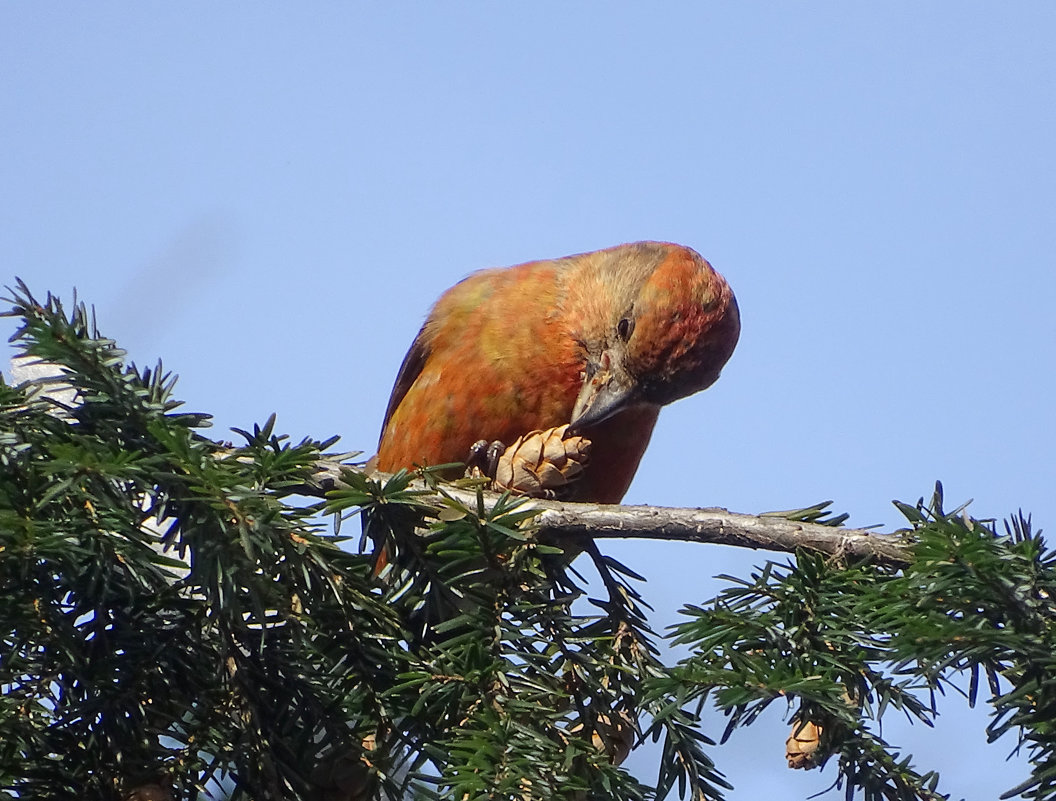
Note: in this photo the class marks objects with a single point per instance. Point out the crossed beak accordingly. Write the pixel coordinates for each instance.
(607, 390)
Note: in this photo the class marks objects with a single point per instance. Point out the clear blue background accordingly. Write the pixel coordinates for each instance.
(270, 196)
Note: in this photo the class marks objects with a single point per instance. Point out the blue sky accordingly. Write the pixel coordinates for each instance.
(269, 197)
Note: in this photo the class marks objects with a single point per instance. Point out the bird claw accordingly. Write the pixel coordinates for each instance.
(483, 458)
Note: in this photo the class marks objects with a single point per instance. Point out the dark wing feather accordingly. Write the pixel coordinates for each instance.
(409, 371)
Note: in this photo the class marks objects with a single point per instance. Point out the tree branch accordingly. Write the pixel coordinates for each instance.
(718, 526)
(770, 532)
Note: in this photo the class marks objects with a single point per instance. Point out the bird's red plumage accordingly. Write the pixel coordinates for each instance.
(507, 351)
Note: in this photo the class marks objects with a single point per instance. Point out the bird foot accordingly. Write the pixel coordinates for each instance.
(540, 464)
(483, 459)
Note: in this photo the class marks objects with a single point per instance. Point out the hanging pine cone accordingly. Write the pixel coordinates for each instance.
(802, 745)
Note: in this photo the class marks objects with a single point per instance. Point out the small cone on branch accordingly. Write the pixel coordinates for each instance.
(614, 736)
(542, 463)
(802, 745)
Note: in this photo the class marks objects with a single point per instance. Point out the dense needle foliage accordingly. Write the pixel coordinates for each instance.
(181, 618)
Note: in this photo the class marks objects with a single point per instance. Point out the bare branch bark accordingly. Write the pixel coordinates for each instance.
(718, 526)
(769, 532)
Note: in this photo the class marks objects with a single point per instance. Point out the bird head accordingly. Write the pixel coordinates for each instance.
(654, 323)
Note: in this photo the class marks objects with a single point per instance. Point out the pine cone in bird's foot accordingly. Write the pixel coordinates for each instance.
(541, 464)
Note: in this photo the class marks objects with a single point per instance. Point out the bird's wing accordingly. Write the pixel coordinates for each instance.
(409, 371)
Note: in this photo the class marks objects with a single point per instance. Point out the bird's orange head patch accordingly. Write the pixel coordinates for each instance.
(685, 325)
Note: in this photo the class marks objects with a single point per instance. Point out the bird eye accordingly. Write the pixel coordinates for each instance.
(624, 328)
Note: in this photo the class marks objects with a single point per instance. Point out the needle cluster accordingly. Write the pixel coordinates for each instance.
(181, 618)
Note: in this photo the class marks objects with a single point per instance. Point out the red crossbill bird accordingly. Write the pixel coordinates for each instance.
(598, 340)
